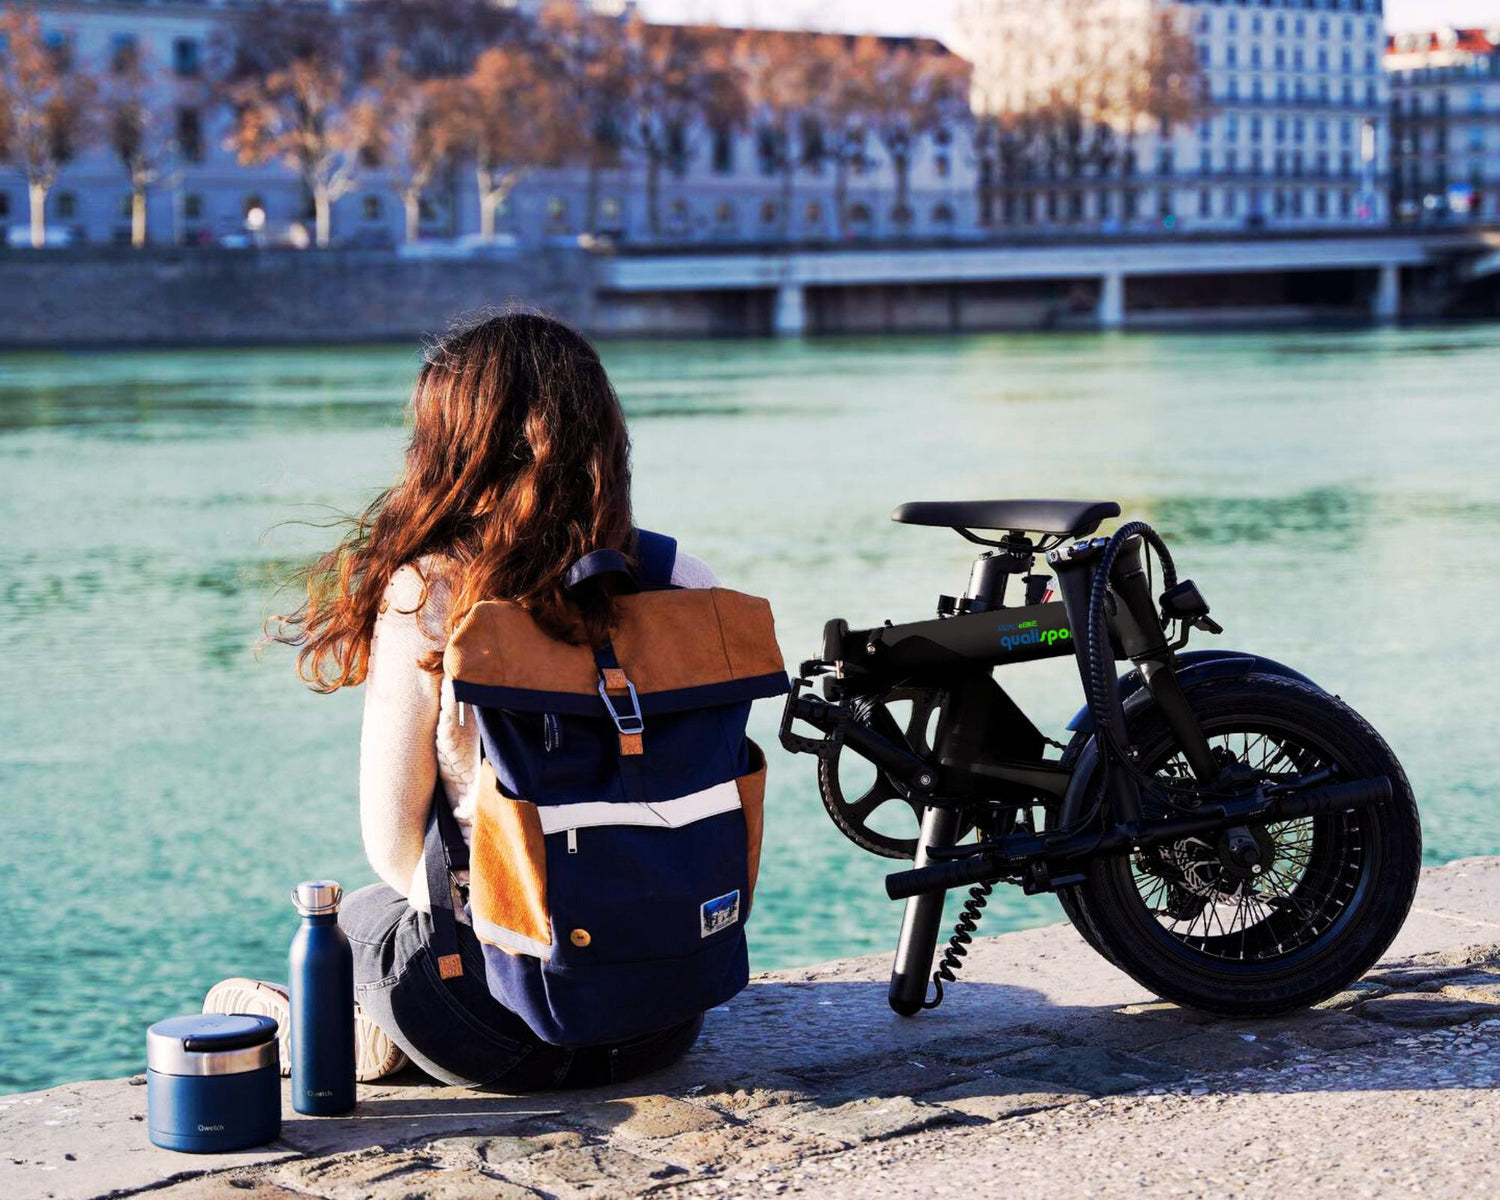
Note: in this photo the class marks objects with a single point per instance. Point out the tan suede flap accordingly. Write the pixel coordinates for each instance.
(508, 864)
(665, 641)
(752, 789)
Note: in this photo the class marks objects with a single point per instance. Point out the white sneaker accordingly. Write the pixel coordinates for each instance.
(375, 1055)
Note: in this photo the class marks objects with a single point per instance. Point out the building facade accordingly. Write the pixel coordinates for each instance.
(1445, 125)
(1290, 130)
(725, 191)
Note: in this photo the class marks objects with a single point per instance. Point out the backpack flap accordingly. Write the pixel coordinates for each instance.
(617, 834)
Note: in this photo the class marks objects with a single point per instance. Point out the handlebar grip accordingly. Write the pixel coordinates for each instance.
(939, 877)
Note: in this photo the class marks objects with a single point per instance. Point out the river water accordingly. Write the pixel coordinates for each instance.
(165, 780)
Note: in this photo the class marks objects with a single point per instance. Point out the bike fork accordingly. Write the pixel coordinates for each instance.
(923, 919)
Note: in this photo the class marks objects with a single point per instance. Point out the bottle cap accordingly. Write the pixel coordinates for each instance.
(317, 898)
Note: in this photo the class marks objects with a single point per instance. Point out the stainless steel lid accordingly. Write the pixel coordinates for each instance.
(317, 897)
(212, 1044)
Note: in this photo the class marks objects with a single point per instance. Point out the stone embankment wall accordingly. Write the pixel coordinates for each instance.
(226, 297)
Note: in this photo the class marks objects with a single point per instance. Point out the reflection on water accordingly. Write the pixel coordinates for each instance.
(165, 778)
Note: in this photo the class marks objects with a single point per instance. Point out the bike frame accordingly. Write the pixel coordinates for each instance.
(987, 753)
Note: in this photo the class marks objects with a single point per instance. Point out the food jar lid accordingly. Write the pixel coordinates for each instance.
(212, 1044)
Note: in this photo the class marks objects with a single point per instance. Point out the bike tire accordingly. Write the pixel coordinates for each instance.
(1381, 854)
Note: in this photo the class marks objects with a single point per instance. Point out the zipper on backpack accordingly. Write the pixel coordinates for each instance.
(572, 841)
(551, 732)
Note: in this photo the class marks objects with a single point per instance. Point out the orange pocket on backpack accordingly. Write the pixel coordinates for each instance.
(508, 873)
(752, 789)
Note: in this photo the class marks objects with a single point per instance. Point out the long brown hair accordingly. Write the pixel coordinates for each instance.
(518, 465)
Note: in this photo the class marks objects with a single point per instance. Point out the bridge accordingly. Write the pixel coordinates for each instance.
(788, 274)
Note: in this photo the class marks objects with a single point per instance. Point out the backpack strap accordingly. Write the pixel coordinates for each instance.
(443, 852)
(624, 707)
(596, 563)
(657, 555)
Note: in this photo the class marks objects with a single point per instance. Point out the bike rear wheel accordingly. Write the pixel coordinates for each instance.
(1194, 928)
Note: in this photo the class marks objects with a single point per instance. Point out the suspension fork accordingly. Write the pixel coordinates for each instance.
(1143, 638)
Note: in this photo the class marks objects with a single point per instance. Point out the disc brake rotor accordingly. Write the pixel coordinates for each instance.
(853, 814)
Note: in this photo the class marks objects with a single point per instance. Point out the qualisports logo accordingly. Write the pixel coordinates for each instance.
(1012, 637)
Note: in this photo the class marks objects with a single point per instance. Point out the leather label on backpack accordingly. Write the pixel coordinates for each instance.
(719, 913)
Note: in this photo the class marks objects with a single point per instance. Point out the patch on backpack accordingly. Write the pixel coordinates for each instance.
(719, 913)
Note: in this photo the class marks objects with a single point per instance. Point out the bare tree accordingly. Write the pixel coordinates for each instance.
(680, 81)
(592, 53)
(301, 98)
(778, 86)
(45, 110)
(842, 83)
(423, 121)
(512, 114)
(920, 91)
(141, 133)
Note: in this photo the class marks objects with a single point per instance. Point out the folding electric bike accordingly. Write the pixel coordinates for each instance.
(1221, 828)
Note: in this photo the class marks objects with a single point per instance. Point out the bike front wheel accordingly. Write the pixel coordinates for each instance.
(1327, 897)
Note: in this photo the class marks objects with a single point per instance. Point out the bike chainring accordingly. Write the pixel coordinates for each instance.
(853, 814)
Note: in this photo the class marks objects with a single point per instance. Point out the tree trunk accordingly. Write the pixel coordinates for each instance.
(138, 217)
(653, 195)
(412, 200)
(841, 195)
(322, 217)
(788, 180)
(38, 193)
(902, 166)
(489, 206)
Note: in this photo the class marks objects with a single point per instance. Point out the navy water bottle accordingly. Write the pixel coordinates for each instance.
(322, 986)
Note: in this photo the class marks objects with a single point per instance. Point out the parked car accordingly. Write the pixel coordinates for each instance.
(58, 236)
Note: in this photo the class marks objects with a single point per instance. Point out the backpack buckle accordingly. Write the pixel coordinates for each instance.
(627, 723)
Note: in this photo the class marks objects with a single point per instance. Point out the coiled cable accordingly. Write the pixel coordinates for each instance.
(958, 944)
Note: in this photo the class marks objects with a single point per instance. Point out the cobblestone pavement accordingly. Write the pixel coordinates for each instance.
(1076, 1084)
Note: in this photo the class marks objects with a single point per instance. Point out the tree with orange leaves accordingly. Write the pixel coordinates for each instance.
(45, 110)
(919, 92)
(680, 80)
(779, 80)
(301, 98)
(423, 125)
(843, 75)
(511, 114)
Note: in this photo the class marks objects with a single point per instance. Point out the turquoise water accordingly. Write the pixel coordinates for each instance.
(164, 781)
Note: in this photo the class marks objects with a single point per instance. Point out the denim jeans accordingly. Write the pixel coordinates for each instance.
(453, 1028)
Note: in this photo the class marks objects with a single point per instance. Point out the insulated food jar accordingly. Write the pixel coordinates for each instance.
(213, 1082)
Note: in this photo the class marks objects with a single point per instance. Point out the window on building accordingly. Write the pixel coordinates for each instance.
(942, 164)
(1279, 57)
(942, 216)
(813, 213)
(1280, 128)
(66, 206)
(1205, 199)
(1106, 204)
(1299, 130)
(1229, 205)
(1164, 205)
(124, 52)
(4, 205)
(189, 135)
(1255, 56)
(860, 219)
(1206, 161)
(1296, 203)
(1231, 55)
(1320, 129)
(723, 150)
(1346, 203)
(1255, 128)
(1476, 100)
(557, 213)
(1476, 137)
(1232, 90)
(902, 216)
(1205, 54)
(770, 149)
(370, 207)
(1346, 163)
(1231, 163)
(192, 207)
(1132, 203)
(724, 215)
(186, 57)
(1165, 161)
(677, 216)
(770, 212)
(60, 48)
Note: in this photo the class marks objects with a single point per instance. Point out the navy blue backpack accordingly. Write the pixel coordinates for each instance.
(618, 827)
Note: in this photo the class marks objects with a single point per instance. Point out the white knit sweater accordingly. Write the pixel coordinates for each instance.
(411, 734)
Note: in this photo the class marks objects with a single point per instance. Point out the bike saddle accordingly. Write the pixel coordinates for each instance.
(1073, 518)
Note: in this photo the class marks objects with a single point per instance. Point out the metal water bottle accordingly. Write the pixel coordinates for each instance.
(322, 987)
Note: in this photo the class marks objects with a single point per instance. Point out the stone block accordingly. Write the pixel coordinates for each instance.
(384, 1175)
(1095, 1070)
(996, 1097)
(873, 1120)
(605, 1168)
(1426, 1010)
(485, 1150)
(644, 1117)
(1220, 1050)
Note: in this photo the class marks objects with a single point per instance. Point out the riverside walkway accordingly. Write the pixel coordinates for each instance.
(1045, 1072)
